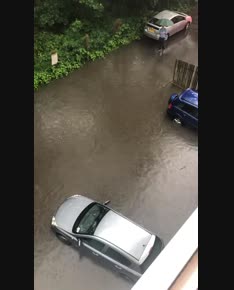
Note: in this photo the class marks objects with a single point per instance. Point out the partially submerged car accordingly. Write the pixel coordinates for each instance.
(183, 108)
(172, 20)
(124, 245)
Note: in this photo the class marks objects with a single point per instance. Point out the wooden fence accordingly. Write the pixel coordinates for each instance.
(185, 75)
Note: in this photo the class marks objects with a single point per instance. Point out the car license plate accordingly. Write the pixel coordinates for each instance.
(150, 29)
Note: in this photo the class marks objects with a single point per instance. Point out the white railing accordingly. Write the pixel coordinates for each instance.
(171, 261)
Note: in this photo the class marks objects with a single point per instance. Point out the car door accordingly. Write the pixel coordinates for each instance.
(179, 110)
(92, 248)
(186, 113)
(174, 28)
(181, 23)
(119, 263)
(192, 115)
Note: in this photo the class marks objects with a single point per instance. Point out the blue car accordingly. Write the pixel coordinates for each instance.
(183, 108)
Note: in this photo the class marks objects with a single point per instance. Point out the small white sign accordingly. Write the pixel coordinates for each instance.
(54, 58)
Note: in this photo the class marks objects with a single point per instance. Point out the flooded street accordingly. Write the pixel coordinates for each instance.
(103, 132)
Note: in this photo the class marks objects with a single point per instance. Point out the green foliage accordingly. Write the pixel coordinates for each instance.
(111, 25)
(75, 27)
(117, 24)
(181, 5)
(71, 49)
(52, 12)
(94, 4)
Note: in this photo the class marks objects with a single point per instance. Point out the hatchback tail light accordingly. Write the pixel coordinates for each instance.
(170, 106)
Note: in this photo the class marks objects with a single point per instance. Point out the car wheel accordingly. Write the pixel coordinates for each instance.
(170, 116)
(126, 277)
(63, 239)
(187, 26)
(178, 121)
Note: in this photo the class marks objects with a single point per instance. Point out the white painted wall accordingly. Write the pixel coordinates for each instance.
(167, 266)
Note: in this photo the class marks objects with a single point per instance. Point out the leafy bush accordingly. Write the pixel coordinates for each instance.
(85, 40)
(72, 50)
(50, 12)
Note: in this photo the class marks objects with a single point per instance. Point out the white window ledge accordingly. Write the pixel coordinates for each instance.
(171, 261)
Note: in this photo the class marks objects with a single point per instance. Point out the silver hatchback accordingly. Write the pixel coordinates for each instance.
(106, 234)
(173, 21)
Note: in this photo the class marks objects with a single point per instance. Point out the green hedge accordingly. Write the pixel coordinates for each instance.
(85, 41)
(81, 42)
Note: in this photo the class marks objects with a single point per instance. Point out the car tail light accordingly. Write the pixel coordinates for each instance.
(170, 106)
(189, 18)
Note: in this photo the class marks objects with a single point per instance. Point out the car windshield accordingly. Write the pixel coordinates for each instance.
(90, 219)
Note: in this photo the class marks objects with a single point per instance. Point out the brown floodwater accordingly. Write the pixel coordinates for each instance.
(103, 132)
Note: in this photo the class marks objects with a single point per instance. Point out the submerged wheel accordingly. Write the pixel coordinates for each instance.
(187, 26)
(63, 239)
(126, 277)
(178, 121)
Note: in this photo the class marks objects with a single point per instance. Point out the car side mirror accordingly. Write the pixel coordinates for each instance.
(173, 97)
(106, 202)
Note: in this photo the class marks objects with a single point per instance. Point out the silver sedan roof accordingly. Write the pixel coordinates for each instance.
(113, 228)
(166, 14)
(123, 233)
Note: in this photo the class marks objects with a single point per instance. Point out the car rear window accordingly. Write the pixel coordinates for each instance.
(161, 22)
(177, 19)
(154, 21)
(180, 18)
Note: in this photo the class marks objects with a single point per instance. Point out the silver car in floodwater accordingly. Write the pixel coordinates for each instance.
(107, 235)
(173, 21)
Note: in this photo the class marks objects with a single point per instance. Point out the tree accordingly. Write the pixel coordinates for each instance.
(50, 13)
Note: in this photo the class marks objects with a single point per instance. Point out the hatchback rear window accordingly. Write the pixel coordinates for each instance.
(154, 21)
(161, 22)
